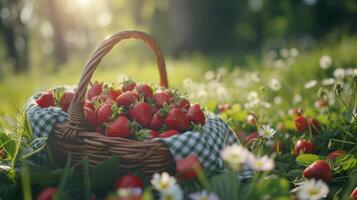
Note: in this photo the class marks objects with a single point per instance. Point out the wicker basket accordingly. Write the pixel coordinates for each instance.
(73, 138)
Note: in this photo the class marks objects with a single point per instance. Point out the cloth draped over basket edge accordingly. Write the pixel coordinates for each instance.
(206, 144)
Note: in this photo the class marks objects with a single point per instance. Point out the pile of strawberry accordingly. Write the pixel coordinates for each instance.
(134, 110)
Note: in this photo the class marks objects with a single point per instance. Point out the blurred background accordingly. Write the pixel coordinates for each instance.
(46, 42)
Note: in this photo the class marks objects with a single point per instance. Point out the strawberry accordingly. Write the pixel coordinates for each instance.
(95, 90)
(144, 90)
(162, 98)
(184, 103)
(120, 127)
(127, 98)
(314, 125)
(168, 133)
(89, 105)
(113, 93)
(3, 153)
(47, 194)
(320, 170)
(295, 111)
(92, 121)
(251, 137)
(196, 115)
(304, 146)
(128, 85)
(157, 121)
(301, 123)
(104, 113)
(177, 120)
(186, 168)
(354, 194)
(334, 154)
(141, 113)
(129, 181)
(46, 100)
(66, 100)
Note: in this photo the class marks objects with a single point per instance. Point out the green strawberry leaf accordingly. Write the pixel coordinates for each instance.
(307, 159)
(100, 179)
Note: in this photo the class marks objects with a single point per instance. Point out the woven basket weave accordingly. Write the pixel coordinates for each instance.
(73, 138)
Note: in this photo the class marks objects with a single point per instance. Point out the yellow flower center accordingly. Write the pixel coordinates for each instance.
(313, 192)
(164, 185)
(204, 198)
(169, 197)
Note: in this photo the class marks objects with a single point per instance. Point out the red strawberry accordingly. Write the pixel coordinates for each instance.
(253, 136)
(196, 115)
(354, 194)
(168, 133)
(128, 85)
(66, 100)
(161, 98)
(104, 113)
(296, 111)
(46, 100)
(89, 105)
(145, 90)
(314, 125)
(127, 98)
(95, 90)
(304, 146)
(129, 181)
(320, 169)
(301, 123)
(186, 167)
(334, 154)
(113, 93)
(177, 120)
(184, 103)
(120, 127)
(157, 121)
(91, 118)
(47, 194)
(141, 113)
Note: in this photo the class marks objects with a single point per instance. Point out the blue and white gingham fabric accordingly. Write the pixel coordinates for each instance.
(206, 143)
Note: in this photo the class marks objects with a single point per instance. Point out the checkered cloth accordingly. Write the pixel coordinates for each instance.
(206, 143)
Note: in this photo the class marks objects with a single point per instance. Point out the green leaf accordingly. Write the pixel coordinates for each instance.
(273, 187)
(307, 159)
(61, 190)
(226, 185)
(86, 179)
(105, 174)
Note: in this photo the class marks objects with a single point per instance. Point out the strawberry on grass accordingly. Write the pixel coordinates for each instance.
(304, 146)
(47, 194)
(187, 167)
(129, 181)
(319, 170)
(301, 123)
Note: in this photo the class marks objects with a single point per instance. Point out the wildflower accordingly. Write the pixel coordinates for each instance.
(261, 163)
(297, 98)
(275, 84)
(255, 77)
(173, 193)
(266, 131)
(310, 84)
(203, 195)
(339, 73)
(278, 63)
(294, 52)
(284, 53)
(312, 190)
(277, 100)
(235, 156)
(209, 75)
(328, 81)
(163, 181)
(325, 62)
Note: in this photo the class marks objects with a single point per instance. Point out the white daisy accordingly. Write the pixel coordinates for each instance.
(163, 181)
(339, 73)
(261, 163)
(325, 62)
(294, 52)
(203, 195)
(312, 190)
(275, 84)
(297, 98)
(328, 81)
(310, 84)
(235, 156)
(173, 193)
(266, 131)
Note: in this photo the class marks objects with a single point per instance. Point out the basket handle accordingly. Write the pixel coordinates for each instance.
(76, 118)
